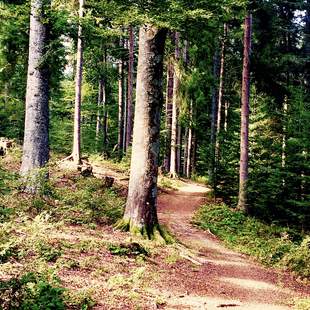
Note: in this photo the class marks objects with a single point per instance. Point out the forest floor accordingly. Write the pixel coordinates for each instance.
(216, 276)
(103, 268)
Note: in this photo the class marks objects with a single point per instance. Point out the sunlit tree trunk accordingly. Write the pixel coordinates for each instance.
(226, 115)
(99, 109)
(174, 126)
(76, 150)
(245, 109)
(179, 148)
(36, 146)
(169, 98)
(140, 214)
(184, 167)
(120, 109)
(189, 143)
(130, 88)
(220, 94)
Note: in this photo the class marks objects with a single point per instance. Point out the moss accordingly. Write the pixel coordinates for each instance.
(156, 233)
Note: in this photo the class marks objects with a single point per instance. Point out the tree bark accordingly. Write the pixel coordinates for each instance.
(174, 126)
(130, 88)
(189, 143)
(140, 214)
(212, 166)
(120, 109)
(169, 98)
(76, 150)
(36, 144)
(220, 94)
(245, 109)
(99, 108)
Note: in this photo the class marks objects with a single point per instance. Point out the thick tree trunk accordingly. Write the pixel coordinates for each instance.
(220, 95)
(174, 126)
(76, 150)
(130, 88)
(140, 214)
(120, 110)
(245, 109)
(169, 98)
(36, 148)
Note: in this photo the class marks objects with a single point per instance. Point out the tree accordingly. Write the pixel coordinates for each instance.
(36, 146)
(140, 214)
(76, 149)
(245, 109)
(130, 87)
(174, 126)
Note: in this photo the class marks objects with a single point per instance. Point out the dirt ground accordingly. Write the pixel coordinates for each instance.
(220, 278)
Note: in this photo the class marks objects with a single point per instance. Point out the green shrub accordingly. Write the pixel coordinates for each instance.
(298, 259)
(30, 292)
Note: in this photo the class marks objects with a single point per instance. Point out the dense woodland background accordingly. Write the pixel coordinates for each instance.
(202, 90)
(204, 48)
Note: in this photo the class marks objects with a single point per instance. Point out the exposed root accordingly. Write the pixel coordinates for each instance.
(156, 233)
(173, 175)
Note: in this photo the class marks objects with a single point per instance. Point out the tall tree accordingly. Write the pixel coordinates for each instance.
(140, 214)
(36, 147)
(76, 149)
(220, 94)
(174, 127)
(130, 87)
(121, 120)
(168, 114)
(245, 109)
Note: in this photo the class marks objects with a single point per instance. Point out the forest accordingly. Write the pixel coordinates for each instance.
(154, 154)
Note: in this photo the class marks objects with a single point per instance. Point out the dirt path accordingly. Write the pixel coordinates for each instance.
(220, 278)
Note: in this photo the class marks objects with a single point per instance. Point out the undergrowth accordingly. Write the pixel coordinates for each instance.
(273, 245)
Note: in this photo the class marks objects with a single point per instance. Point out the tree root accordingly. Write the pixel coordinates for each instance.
(156, 233)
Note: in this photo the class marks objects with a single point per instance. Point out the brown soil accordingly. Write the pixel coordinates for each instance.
(219, 277)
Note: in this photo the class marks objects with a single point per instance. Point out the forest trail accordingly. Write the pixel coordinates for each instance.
(221, 278)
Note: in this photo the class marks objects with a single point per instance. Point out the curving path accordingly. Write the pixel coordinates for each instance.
(222, 278)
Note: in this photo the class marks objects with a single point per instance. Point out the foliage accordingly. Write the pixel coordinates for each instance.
(31, 291)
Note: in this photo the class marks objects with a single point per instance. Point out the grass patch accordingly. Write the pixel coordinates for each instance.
(271, 244)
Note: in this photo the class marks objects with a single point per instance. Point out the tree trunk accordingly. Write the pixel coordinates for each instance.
(130, 88)
(189, 152)
(189, 143)
(36, 147)
(169, 98)
(179, 149)
(99, 109)
(212, 166)
(140, 214)
(120, 110)
(125, 110)
(220, 95)
(185, 157)
(245, 109)
(174, 126)
(226, 115)
(307, 45)
(76, 151)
